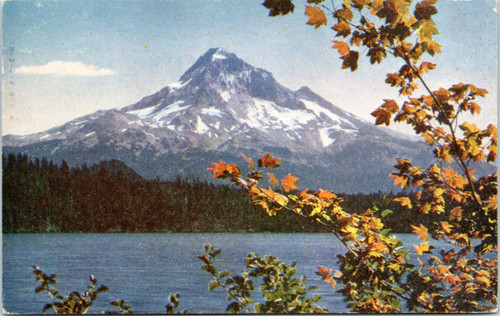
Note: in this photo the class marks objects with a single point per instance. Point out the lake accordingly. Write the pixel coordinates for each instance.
(144, 269)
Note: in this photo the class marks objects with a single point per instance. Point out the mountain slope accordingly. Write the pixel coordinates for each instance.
(220, 107)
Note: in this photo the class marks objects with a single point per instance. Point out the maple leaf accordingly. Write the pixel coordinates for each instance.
(268, 162)
(426, 66)
(423, 247)
(400, 180)
(272, 178)
(453, 178)
(404, 202)
(425, 9)
(325, 195)
(288, 183)
(342, 47)
(251, 164)
(421, 231)
(382, 116)
(223, 170)
(390, 105)
(446, 227)
(350, 60)
(342, 28)
(279, 7)
(316, 16)
(344, 14)
(325, 275)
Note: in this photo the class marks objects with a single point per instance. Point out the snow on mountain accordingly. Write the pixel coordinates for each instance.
(222, 106)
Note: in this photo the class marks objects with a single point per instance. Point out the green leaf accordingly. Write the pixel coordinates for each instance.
(224, 274)
(213, 285)
(385, 232)
(386, 212)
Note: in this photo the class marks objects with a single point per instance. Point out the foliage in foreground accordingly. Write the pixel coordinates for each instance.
(283, 293)
(376, 275)
(80, 302)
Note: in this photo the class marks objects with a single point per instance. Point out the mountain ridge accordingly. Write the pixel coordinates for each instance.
(222, 106)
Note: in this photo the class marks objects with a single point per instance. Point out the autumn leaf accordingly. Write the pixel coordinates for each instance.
(344, 14)
(390, 105)
(400, 180)
(342, 28)
(446, 227)
(272, 178)
(350, 60)
(288, 183)
(268, 162)
(342, 47)
(223, 170)
(453, 178)
(404, 202)
(425, 9)
(325, 195)
(421, 231)
(279, 7)
(251, 164)
(426, 66)
(325, 275)
(316, 16)
(383, 116)
(423, 247)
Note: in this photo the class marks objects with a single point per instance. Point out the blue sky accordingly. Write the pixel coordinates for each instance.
(64, 59)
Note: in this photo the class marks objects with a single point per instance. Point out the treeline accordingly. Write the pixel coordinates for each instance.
(41, 196)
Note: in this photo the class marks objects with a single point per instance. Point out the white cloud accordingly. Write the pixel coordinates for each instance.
(65, 68)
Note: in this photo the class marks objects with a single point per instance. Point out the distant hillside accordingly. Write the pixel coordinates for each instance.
(40, 196)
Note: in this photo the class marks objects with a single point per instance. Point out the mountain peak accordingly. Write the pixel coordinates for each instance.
(215, 58)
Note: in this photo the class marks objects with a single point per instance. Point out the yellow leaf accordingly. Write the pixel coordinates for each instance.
(342, 47)
(251, 164)
(316, 16)
(423, 247)
(446, 227)
(421, 231)
(272, 178)
(404, 202)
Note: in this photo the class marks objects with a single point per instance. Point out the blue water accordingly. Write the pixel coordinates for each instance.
(144, 269)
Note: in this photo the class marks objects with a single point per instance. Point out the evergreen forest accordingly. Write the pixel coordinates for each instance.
(40, 196)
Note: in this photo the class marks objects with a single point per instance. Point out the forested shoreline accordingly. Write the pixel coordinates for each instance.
(40, 196)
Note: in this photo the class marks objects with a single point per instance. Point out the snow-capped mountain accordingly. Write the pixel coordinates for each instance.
(221, 107)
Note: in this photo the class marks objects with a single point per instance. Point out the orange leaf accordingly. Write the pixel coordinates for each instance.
(223, 170)
(272, 178)
(325, 195)
(342, 47)
(423, 247)
(288, 183)
(316, 16)
(251, 164)
(390, 105)
(383, 116)
(404, 202)
(342, 28)
(325, 275)
(421, 231)
(453, 178)
(269, 162)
